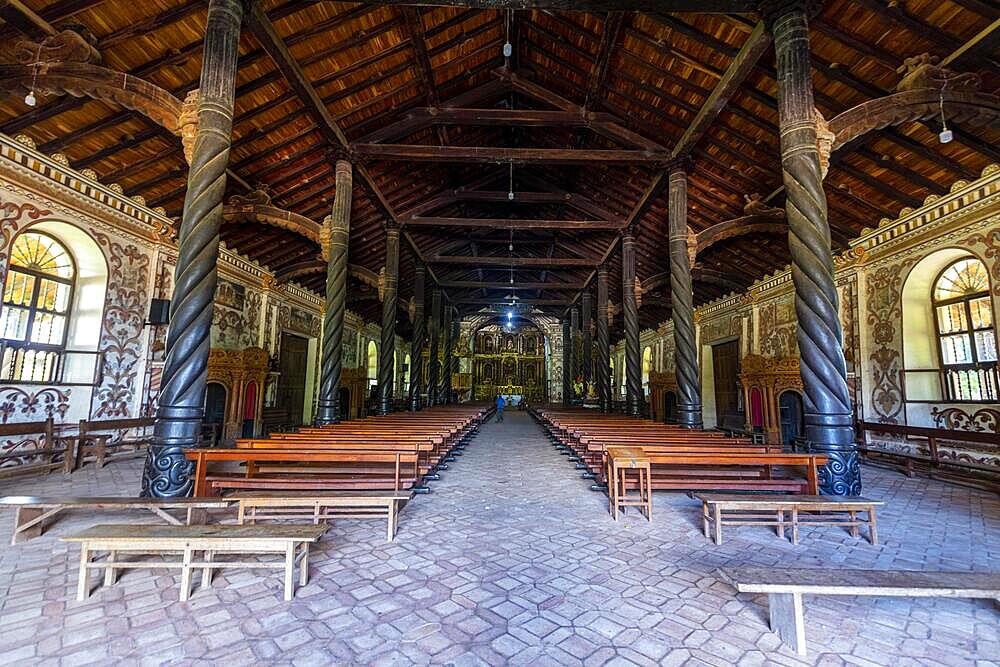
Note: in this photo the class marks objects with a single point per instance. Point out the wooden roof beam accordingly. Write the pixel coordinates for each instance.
(515, 224)
(494, 155)
(732, 79)
(543, 262)
(479, 284)
(696, 6)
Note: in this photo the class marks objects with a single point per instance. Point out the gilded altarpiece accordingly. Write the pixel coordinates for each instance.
(508, 362)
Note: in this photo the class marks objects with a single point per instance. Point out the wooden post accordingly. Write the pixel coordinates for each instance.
(828, 410)
(682, 306)
(417, 345)
(433, 327)
(387, 351)
(630, 309)
(586, 306)
(337, 230)
(603, 340)
(444, 383)
(567, 366)
(185, 370)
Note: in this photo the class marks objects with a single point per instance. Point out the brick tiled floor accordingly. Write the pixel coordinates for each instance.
(511, 560)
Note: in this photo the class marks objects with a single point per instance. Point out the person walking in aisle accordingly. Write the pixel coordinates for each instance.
(500, 405)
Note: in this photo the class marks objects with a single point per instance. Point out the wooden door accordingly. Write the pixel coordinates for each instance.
(294, 359)
(726, 367)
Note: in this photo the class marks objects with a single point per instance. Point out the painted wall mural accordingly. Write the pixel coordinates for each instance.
(122, 342)
(778, 329)
(28, 405)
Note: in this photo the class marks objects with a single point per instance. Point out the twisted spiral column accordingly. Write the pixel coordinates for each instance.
(185, 370)
(433, 327)
(586, 305)
(387, 351)
(331, 365)
(452, 359)
(828, 410)
(444, 382)
(417, 346)
(682, 306)
(574, 336)
(630, 309)
(603, 340)
(567, 362)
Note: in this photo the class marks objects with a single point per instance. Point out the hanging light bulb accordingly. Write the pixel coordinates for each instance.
(29, 99)
(946, 134)
(508, 48)
(510, 185)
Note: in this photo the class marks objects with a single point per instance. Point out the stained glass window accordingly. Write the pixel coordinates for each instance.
(34, 314)
(966, 339)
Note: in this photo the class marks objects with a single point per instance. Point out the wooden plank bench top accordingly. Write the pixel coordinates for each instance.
(750, 507)
(33, 511)
(785, 588)
(290, 540)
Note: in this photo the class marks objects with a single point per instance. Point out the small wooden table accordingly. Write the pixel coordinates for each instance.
(770, 509)
(292, 541)
(785, 588)
(620, 460)
(32, 511)
(322, 507)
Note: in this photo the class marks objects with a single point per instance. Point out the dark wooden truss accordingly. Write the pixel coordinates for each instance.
(580, 123)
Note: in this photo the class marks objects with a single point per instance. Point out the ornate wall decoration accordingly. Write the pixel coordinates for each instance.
(299, 321)
(778, 329)
(923, 71)
(11, 217)
(986, 420)
(885, 312)
(251, 318)
(235, 369)
(121, 344)
(990, 241)
(33, 406)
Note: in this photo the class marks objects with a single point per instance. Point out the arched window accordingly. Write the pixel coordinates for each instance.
(966, 338)
(34, 313)
(372, 363)
(647, 366)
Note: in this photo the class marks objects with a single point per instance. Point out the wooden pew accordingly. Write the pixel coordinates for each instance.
(372, 469)
(785, 588)
(323, 507)
(52, 446)
(96, 439)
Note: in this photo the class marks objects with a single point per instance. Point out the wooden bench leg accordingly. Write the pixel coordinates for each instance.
(197, 516)
(780, 527)
(27, 523)
(206, 573)
(787, 619)
(82, 584)
(304, 565)
(109, 573)
(872, 530)
(795, 525)
(241, 514)
(705, 519)
(186, 575)
(854, 523)
(289, 571)
(392, 521)
(101, 452)
(718, 524)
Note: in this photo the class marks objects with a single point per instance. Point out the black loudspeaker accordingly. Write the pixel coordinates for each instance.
(159, 312)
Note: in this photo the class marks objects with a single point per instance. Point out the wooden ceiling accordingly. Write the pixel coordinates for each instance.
(579, 122)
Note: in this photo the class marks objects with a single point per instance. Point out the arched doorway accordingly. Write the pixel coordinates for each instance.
(756, 410)
(670, 407)
(249, 410)
(791, 412)
(215, 409)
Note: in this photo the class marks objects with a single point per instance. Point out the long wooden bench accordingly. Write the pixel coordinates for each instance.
(372, 469)
(292, 542)
(52, 445)
(31, 512)
(322, 507)
(770, 510)
(112, 438)
(785, 588)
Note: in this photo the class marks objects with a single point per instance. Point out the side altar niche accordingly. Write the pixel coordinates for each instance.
(242, 373)
(764, 380)
(509, 362)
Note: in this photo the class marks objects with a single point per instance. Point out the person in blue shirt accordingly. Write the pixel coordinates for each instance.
(500, 404)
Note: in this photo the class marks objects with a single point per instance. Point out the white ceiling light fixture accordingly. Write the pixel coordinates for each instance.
(946, 134)
(508, 48)
(30, 98)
